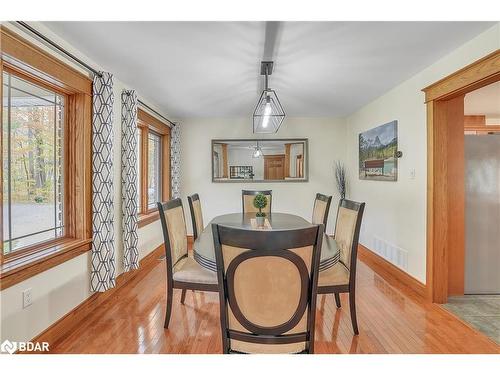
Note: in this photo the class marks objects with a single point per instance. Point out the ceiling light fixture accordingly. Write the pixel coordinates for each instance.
(258, 151)
(269, 113)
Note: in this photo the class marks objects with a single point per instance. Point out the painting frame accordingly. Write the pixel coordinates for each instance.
(377, 153)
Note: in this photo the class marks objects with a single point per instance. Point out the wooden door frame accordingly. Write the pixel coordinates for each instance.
(444, 198)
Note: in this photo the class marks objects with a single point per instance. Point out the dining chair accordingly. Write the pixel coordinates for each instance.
(321, 209)
(183, 272)
(341, 278)
(268, 282)
(196, 215)
(247, 197)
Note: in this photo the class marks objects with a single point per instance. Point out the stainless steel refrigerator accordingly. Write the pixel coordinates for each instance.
(482, 214)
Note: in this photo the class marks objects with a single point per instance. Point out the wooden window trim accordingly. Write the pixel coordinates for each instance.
(147, 123)
(29, 62)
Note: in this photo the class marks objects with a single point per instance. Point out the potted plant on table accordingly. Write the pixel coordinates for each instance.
(260, 202)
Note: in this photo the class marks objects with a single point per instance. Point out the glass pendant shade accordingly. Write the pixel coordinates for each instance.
(268, 114)
(257, 151)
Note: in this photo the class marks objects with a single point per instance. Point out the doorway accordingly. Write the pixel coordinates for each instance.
(446, 174)
(482, 190)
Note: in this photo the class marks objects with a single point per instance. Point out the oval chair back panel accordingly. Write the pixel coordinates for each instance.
(268, 289)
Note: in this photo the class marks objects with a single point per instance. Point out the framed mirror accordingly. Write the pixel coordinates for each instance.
(260, 160)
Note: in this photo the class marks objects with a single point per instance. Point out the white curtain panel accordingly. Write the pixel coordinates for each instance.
(129, 180)
(102, 276)
(175, 160)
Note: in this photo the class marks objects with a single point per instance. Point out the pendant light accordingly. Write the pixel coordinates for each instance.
(258, 151)
(269, 113)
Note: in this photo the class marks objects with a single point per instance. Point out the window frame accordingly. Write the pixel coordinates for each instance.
(147, 123)
(27, 61)
(30, 249)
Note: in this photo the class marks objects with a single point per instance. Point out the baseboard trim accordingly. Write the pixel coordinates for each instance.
(390, 272)
(65, 325)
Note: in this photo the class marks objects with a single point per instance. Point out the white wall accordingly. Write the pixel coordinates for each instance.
(326, 144)
(396, 211)
(58, 290)
(243, 157)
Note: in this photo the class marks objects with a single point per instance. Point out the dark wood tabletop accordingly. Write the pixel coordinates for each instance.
(203, 249)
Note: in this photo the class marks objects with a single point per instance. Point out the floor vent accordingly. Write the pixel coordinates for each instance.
(392, 253)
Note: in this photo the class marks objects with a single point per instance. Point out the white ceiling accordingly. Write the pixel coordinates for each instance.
(212, 69)
(484, 101)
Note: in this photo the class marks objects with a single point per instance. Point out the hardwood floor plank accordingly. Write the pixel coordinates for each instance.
(391, 320)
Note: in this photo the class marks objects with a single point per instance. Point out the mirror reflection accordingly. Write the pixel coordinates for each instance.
(259, 160)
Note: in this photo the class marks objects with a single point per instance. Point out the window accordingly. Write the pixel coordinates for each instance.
(33, 123)
(153, 166)
(46, 161)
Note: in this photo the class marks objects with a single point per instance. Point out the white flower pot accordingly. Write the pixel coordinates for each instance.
(260, 220)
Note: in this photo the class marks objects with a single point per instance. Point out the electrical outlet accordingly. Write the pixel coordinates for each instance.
(27, 298)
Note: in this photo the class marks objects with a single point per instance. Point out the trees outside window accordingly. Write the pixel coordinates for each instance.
(33, 168)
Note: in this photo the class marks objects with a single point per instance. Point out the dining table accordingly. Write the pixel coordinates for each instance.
(203, 247)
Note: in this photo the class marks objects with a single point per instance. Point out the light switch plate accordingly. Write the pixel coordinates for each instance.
(412, 173)
(27, 298)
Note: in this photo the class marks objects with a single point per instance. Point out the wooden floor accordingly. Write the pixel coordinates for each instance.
(390, 321)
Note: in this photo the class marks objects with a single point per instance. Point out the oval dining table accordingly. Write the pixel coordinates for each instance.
(203, 247)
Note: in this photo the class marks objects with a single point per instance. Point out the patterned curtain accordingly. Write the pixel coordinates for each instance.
(175, 160)
(129, 180)
(102, 276)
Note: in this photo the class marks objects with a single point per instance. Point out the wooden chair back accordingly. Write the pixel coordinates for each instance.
(268, 282)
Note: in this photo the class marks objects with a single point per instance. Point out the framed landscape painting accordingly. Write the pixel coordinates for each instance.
(377, 153)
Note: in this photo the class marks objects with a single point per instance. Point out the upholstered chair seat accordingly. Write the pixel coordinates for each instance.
(336, 275)
(189, 271)
(183, 272)
(341, 278)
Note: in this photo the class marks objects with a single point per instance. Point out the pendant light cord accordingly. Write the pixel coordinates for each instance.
(267, 77)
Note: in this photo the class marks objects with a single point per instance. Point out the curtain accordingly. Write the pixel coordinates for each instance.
(102, 275)
(129, 180)
(175, 160)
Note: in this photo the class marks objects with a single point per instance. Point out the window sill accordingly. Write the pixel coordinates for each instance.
(148, 218)
(21, 268)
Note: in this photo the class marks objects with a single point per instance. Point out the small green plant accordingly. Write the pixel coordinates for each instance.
(38, 199)
(260, 202)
